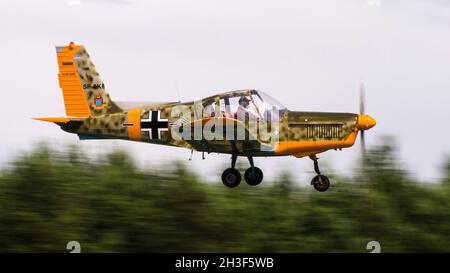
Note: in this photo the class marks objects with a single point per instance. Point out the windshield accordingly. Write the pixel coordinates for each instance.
(266, 104)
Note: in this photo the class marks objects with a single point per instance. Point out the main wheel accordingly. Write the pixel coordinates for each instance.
(231, 177)
(253, 177)
(321, 183)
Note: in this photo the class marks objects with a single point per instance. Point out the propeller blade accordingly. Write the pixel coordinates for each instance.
(363, 142)
(362, 98)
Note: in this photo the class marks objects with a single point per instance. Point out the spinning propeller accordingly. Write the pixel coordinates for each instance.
(365, 122)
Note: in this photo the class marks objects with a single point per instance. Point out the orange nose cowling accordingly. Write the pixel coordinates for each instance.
(366, 122)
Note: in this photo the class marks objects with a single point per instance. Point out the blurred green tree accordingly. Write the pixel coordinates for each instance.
(109, 204)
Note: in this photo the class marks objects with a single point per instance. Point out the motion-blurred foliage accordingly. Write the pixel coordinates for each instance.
(48, 198)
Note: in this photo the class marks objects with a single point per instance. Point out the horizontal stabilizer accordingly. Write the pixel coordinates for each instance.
(54, 119)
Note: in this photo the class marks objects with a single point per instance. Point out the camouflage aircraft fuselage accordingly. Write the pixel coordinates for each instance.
(300, 133)
(92, 114)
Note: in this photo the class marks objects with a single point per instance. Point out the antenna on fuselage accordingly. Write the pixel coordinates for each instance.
(178, 91)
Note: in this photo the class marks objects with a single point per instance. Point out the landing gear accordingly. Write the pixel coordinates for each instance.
(320, 182)
(253, 175)
(231, 177)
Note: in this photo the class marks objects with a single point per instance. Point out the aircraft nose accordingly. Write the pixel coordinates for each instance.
(365, 122)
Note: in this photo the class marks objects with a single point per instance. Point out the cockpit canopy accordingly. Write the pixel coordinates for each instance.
(254, 102)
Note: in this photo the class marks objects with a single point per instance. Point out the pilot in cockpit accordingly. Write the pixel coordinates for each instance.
(244, 109)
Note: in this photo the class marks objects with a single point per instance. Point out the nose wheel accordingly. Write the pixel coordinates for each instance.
(232, 178)
(320, 182)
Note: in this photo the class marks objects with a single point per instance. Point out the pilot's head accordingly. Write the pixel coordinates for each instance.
(244, 102)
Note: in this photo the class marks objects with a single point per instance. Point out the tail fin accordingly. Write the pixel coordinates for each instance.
(83, 90)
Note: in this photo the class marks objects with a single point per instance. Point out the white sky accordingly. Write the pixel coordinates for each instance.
(309, 55)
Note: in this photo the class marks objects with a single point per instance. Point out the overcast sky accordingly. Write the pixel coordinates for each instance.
(309, 55)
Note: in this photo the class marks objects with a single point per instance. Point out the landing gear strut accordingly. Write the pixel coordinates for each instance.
(320, 182)
(231, 177)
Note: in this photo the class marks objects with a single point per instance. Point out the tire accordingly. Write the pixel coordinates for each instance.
(254, 177)
(231, 178)
(320, 185)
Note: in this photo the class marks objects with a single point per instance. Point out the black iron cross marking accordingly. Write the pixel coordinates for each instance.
(154, 124)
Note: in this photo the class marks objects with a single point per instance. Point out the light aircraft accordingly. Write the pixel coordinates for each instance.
(246, 123)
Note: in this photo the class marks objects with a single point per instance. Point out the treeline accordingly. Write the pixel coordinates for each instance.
(108, 204)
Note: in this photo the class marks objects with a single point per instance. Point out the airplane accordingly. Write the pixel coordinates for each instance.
(246, 123)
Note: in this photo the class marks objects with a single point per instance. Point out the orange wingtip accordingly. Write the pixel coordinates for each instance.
(57, 120)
